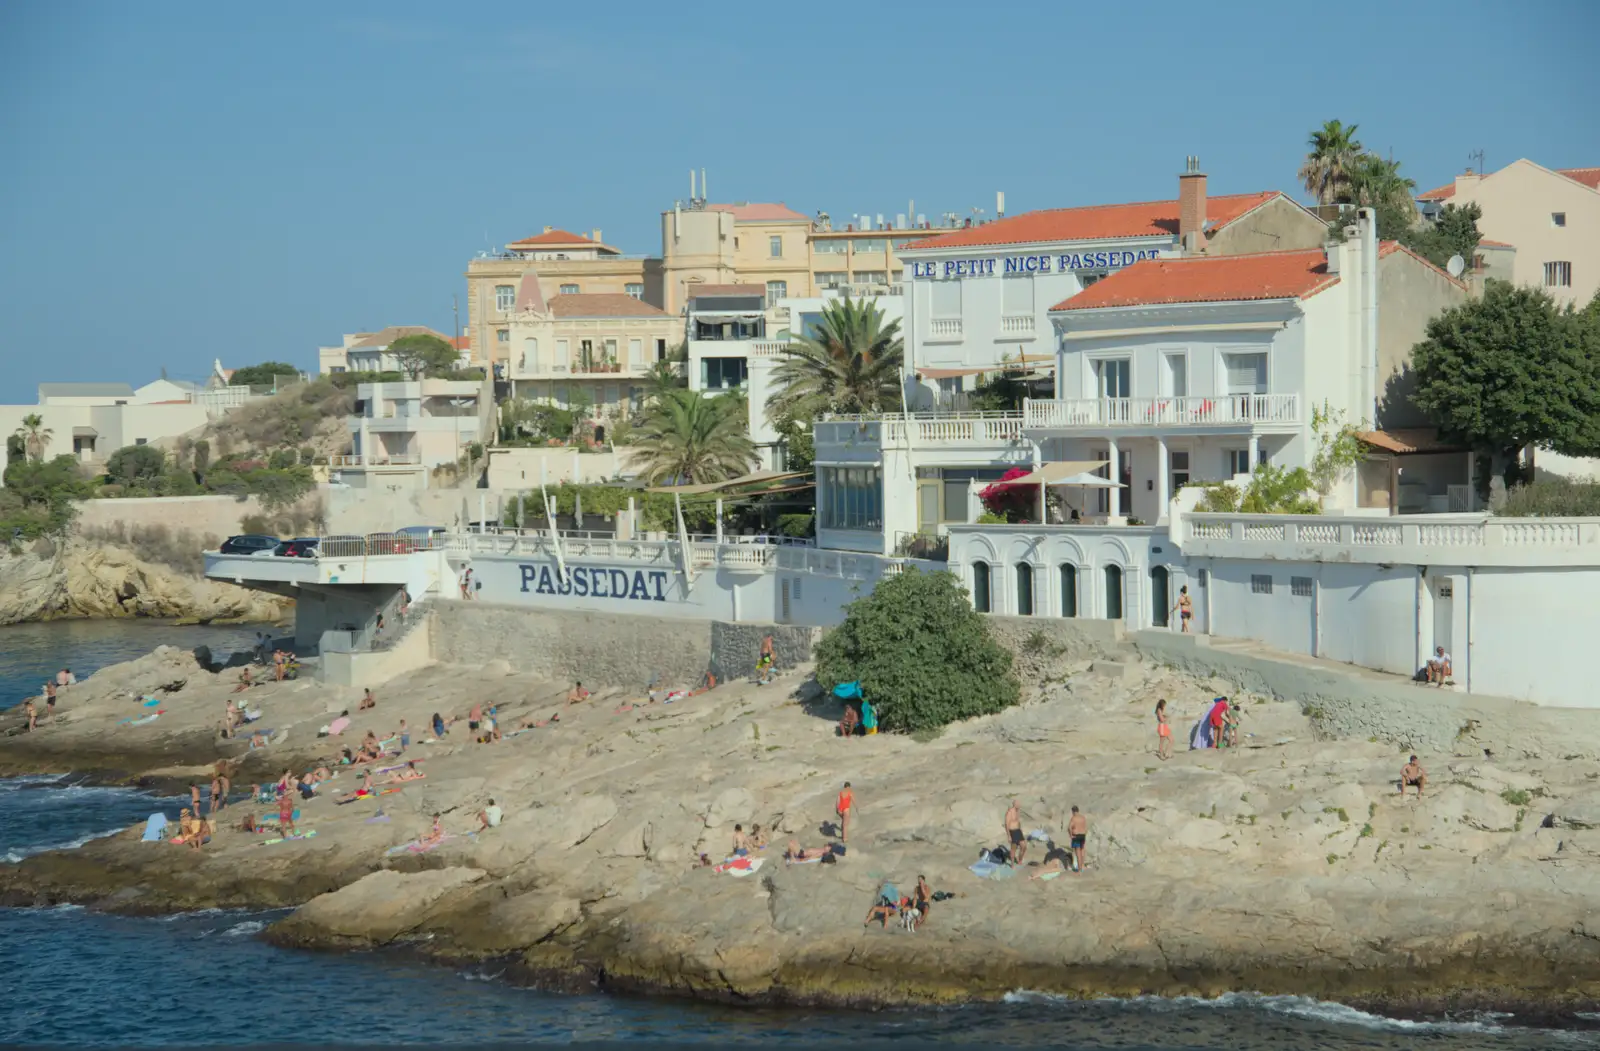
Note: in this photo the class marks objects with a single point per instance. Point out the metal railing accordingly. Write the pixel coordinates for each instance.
(358, 460)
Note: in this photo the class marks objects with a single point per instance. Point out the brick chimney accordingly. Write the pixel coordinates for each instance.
(1192, 207)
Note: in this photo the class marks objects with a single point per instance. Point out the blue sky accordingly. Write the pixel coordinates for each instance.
(185, 181)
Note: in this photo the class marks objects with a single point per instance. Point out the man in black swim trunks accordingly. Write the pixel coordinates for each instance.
(1019, 845)
(1078, 829)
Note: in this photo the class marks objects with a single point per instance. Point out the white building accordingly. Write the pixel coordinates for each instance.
(369, 351)
(93, 420)
(402, 430)
(736, 340)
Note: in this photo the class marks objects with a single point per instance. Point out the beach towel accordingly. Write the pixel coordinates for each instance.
(989, 870)
(151, 702)
(804, 861)
(1049, 875)
(338, 726)
(143, 720)
(847, 691)
(1200, 735)
(307, 834)
(735, 864)
(755, 865)
(251, 717)
(154, 826)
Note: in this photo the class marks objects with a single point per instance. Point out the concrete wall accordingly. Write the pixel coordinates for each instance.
(363, 511)
(215, 515)
(524, 469)
(1410, 294)
(373, 669)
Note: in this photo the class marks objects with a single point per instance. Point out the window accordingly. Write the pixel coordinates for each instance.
(530, 354)
(831, 278)
(850, 497)
(1301, 587)
(502, 336)
(634, 289)
(722, 373)
(661, 350)
(1177, 375)
(1558, 275)
(569, 290)
(1205, 578)
(1024, 590)
(980, 586)
(1113, 575)
(871, 244)
(1114, 378)
(1558, 218)
(898, 276)
(871, 277)
(563, 356)
(1091, 277)
(777, 290)
(505, 297)
(775, 246)
(611, 351)
(1179, 462)
(635, 352)
(1247, 373)
(1069, 590)
(946, 299)
(956, 483)
(831, 247)
(1238, 461)
(1016, 295)
(141, 441)
(1260, 584)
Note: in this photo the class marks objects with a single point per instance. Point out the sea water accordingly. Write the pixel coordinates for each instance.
(81, 978)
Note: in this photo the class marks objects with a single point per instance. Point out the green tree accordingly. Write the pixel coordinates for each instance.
(421, 354)
(1339, 450)
(1376, 183)
(202, 456)
(35, 435)
(140, 465)
(1272, 491)
(40, 496)
(850, 363)
(689, 438)
(1453, 232)
(923, 655)
(799, 451)
(1508, 370)
(16, 449)
(266, 374)
(1326, 171)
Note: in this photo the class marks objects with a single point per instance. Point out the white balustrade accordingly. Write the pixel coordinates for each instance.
(1421, 540)
(1016, 324)
(1194, 411)
(945, 327)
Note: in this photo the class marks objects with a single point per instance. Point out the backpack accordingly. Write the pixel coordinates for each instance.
(1000, 856)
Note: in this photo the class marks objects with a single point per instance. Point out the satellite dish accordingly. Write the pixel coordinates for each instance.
(1456, 265)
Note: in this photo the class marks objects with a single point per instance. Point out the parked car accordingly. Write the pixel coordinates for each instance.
(416, 538)
(299, 547)
(248, 544)
(343, 546)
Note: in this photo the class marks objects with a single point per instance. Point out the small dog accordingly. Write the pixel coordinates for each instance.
(909, 917)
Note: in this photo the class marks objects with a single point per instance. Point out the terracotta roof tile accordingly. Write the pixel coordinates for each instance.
(1209, 279)
(750, 212)
(1484, 242)
(1097, 223)
(1409, 440)
(602, 304)
(1590, 177)
(1439, 193)
(394, 332)
(561, 239)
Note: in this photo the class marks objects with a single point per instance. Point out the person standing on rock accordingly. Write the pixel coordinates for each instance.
(194, 798)
(286, 815)
(1013, 823)
(1078, 829)
(1163, 731)
(846, 803)
(31, 713)
(223, 782)
(49, 700)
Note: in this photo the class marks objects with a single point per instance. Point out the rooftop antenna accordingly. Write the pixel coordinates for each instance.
(705, 195)
(1478, 156)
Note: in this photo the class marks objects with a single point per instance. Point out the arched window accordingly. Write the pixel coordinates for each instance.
(1113, 592)
(1069, 590)
(980, 586)
(1160, 604)
(1024, 590)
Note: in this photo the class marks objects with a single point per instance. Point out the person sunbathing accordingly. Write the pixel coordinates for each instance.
(848, 724)
(317, 776)
(257, 740)
(758, 838)
(577, 693)
(360, 793)
(245, 681)
(410, 773)
(795, 852)
(435, 834)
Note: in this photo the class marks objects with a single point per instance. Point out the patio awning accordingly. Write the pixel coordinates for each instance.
(1408, 440)
(945, 374)
(1067, 472)
(85, 432)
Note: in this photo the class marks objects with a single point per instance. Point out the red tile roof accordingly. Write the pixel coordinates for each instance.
(1590, 177)
(560, 239)
(392, 333)
(750, 212)
(1097, 223)
(1484, 242)
(1439, 193)
(529, 295)
(1209, 279)
(602, 304)
(462, 342)
(727, 290)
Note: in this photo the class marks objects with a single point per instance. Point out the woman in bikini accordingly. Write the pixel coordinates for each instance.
(1163, 731)
(1185, 608)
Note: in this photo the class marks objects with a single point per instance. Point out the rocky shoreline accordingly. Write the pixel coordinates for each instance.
(1289, 866)
(77, 578)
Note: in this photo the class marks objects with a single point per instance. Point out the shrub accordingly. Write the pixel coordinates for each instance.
(136, 465)
(922, 654)
(1011, 503)
(1552, 497)
(797, 525)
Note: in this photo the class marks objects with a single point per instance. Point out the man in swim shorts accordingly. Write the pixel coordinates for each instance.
(1078, 829)
(1413, 774)
(1019, 845)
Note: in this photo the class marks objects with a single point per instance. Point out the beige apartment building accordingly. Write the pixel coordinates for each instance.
(1551, 218)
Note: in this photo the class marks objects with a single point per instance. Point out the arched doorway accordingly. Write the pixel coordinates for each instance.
(1024, 590)
(599, 434)
(980, 586)
(1160, 602)
(1069, 590)
(1113, 592)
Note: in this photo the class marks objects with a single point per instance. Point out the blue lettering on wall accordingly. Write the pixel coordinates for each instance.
(595, 582)
(1031, 264)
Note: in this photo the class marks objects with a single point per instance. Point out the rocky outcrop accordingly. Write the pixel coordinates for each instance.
(50, 580)
(1287, 865)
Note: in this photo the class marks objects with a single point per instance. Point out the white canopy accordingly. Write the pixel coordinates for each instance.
(1068, 472)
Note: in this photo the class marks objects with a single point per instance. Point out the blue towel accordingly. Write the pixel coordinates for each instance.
(847, 691)
(983, 869)
(154, 826)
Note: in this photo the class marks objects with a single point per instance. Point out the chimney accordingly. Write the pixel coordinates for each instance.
(1334, 252)
(594, 235)
(1192, 207)
(548, 229)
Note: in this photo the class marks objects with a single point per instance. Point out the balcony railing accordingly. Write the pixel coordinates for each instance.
(924, 429)
(398, 459)
(1247, 410)
(1016, 324)
(945, 328)
(768, 348)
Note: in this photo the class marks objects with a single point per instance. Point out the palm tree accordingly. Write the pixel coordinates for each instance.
(850, 364)
(35, 435)
(1326, 171)
(1377, 183)
(687, 438)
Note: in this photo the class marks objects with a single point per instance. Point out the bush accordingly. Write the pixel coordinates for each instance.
(797, 525)
(181, 549)
(40, 497)
(922, 654)
(139, 465)
(1556, 497)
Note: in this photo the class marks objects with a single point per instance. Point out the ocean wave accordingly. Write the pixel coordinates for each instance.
(239, 930)
(16, 854)
(1305, 1007)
